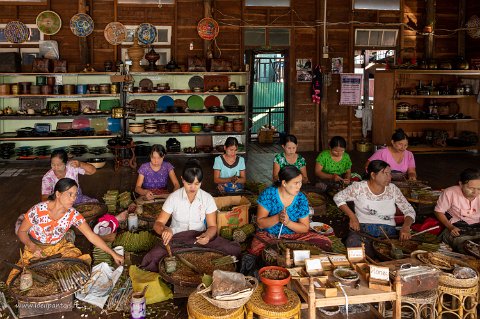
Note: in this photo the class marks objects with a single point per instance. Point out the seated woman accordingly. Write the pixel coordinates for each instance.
(194, 219)
(396, 155)
(376, 201)
(289, 157)
(283, 213)
(153, 176)
(229, 168)
(45, 225)
(462, 203)
(334, 165)
(61, 168)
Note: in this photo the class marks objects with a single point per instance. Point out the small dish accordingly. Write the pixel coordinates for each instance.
(321, 228)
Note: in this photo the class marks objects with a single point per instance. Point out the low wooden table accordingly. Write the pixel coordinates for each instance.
(361, 295)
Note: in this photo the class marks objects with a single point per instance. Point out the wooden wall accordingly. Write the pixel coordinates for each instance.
(472, 46)
(232, 15)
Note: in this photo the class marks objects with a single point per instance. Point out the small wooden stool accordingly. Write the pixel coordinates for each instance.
(421, 302)
(256, 305)
(199, 308)
(462, 304)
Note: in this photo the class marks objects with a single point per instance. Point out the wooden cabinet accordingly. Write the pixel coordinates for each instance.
(440, 106)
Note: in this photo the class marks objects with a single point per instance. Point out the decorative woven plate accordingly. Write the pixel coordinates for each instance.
(473, 25)
(180, 103)
(115, 33)
(146, 33)
(230, 100)
(195, 103)
(208, 29)
(16, 32)
(146, 84)
(212, 100)
(49, 22)
(195, 82)
(164, 102)
(81, 25)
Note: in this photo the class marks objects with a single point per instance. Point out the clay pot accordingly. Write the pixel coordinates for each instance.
(273, 294)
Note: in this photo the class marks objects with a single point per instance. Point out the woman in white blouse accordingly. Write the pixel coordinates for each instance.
(376, 201)
(194, 219)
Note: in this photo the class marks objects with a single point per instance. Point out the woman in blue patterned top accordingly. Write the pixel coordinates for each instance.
(283, 213)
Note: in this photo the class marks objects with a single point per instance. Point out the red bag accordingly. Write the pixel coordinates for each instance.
(429, 222)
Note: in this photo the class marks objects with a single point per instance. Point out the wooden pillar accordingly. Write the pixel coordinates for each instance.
(430, 19)
(207, 44)
(461, 24)
(324, 103)
(83, 44)
(318, 30)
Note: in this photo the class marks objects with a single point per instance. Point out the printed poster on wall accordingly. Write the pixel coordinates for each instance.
(350, 93)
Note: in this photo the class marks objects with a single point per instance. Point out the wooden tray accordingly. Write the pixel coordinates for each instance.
(279, 248)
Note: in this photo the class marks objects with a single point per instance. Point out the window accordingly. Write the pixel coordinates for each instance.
(376, 37)
(257, 37)
(376, 5)
(267, 3)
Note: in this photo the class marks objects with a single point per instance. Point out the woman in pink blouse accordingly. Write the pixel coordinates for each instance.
(397, 156)
(61, 168)
(462, 203)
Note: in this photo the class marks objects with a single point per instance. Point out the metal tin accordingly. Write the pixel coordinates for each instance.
(57, 89)
(114, 88)
(81, 89)
(138, 307)
(117, 112)
(104, 88)
(35, 89)
(5, 89)
(69, 89)
(14, 88)
(51, 80)
(46, 89)
(41, 80)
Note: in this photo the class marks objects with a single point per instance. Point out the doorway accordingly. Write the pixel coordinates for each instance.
(267, 92)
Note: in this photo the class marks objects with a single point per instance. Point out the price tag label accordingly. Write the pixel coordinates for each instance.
(379, 273)
(338, 258)
(355, 253)
(299, 256)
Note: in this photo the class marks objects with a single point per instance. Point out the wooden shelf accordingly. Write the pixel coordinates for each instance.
(186, 73)
(56, 74)
(180, 134)
(52, 138)
(189, 114)
(436, 121)
(434, 97)
(189, 93)
(51, 117)
(16, 96)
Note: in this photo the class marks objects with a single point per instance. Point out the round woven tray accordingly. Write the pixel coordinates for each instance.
(193, 280)
(206, 293)
(38, 268)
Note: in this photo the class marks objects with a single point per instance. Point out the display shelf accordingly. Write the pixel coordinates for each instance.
(180, 134)
(58, 96)
(51, 117)
(188, 93)
(189, 114)
(6, 137)
(58, 74)
(436, 121)
(398, 97)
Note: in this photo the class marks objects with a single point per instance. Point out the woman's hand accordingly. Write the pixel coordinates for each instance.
(167, 235)
(203, 239)
(337, 178)
(455, 232)
(346, 181)
(149, 195)
(283, 217)
(405, 233)
(75, 163)
(354, 223)
(118, 258)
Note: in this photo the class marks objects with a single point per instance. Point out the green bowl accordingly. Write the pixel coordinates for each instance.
(196, 129)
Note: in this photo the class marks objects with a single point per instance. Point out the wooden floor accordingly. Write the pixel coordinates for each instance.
(21, 182)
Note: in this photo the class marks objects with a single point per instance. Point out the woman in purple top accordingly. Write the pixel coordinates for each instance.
(153, 176)
(398, 158)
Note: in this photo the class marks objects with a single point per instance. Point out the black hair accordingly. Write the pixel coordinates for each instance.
(192, 170)
(158, 148)
(287, 173)
(337, 141)
(63, 185)
(376, 166)
(399, 135)
(61, 154)
(289, 138)
(231, 141)
(469, 174)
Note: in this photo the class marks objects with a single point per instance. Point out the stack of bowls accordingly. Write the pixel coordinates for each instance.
(150, 128)
(136, 127)
(196, 127)
(185, 127)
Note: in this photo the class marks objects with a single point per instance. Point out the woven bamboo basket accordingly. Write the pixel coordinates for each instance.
(206, 293)
(451, 281)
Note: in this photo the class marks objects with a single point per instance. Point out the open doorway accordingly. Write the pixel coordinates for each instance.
(267, 91)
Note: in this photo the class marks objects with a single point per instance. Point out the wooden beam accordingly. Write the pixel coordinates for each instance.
(82, 41)
(461, 24)
(430, 18)
(207, 44)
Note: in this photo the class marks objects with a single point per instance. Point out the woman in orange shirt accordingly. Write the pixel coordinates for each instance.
(45, 225)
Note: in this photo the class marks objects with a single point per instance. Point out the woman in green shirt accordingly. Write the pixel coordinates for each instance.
(334, 165)
(289, 157)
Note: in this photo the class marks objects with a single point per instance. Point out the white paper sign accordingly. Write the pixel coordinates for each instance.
(299, 256)
(355, 253)
(379, 273)
(350, 93)
(338, 258)
(313, 264)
